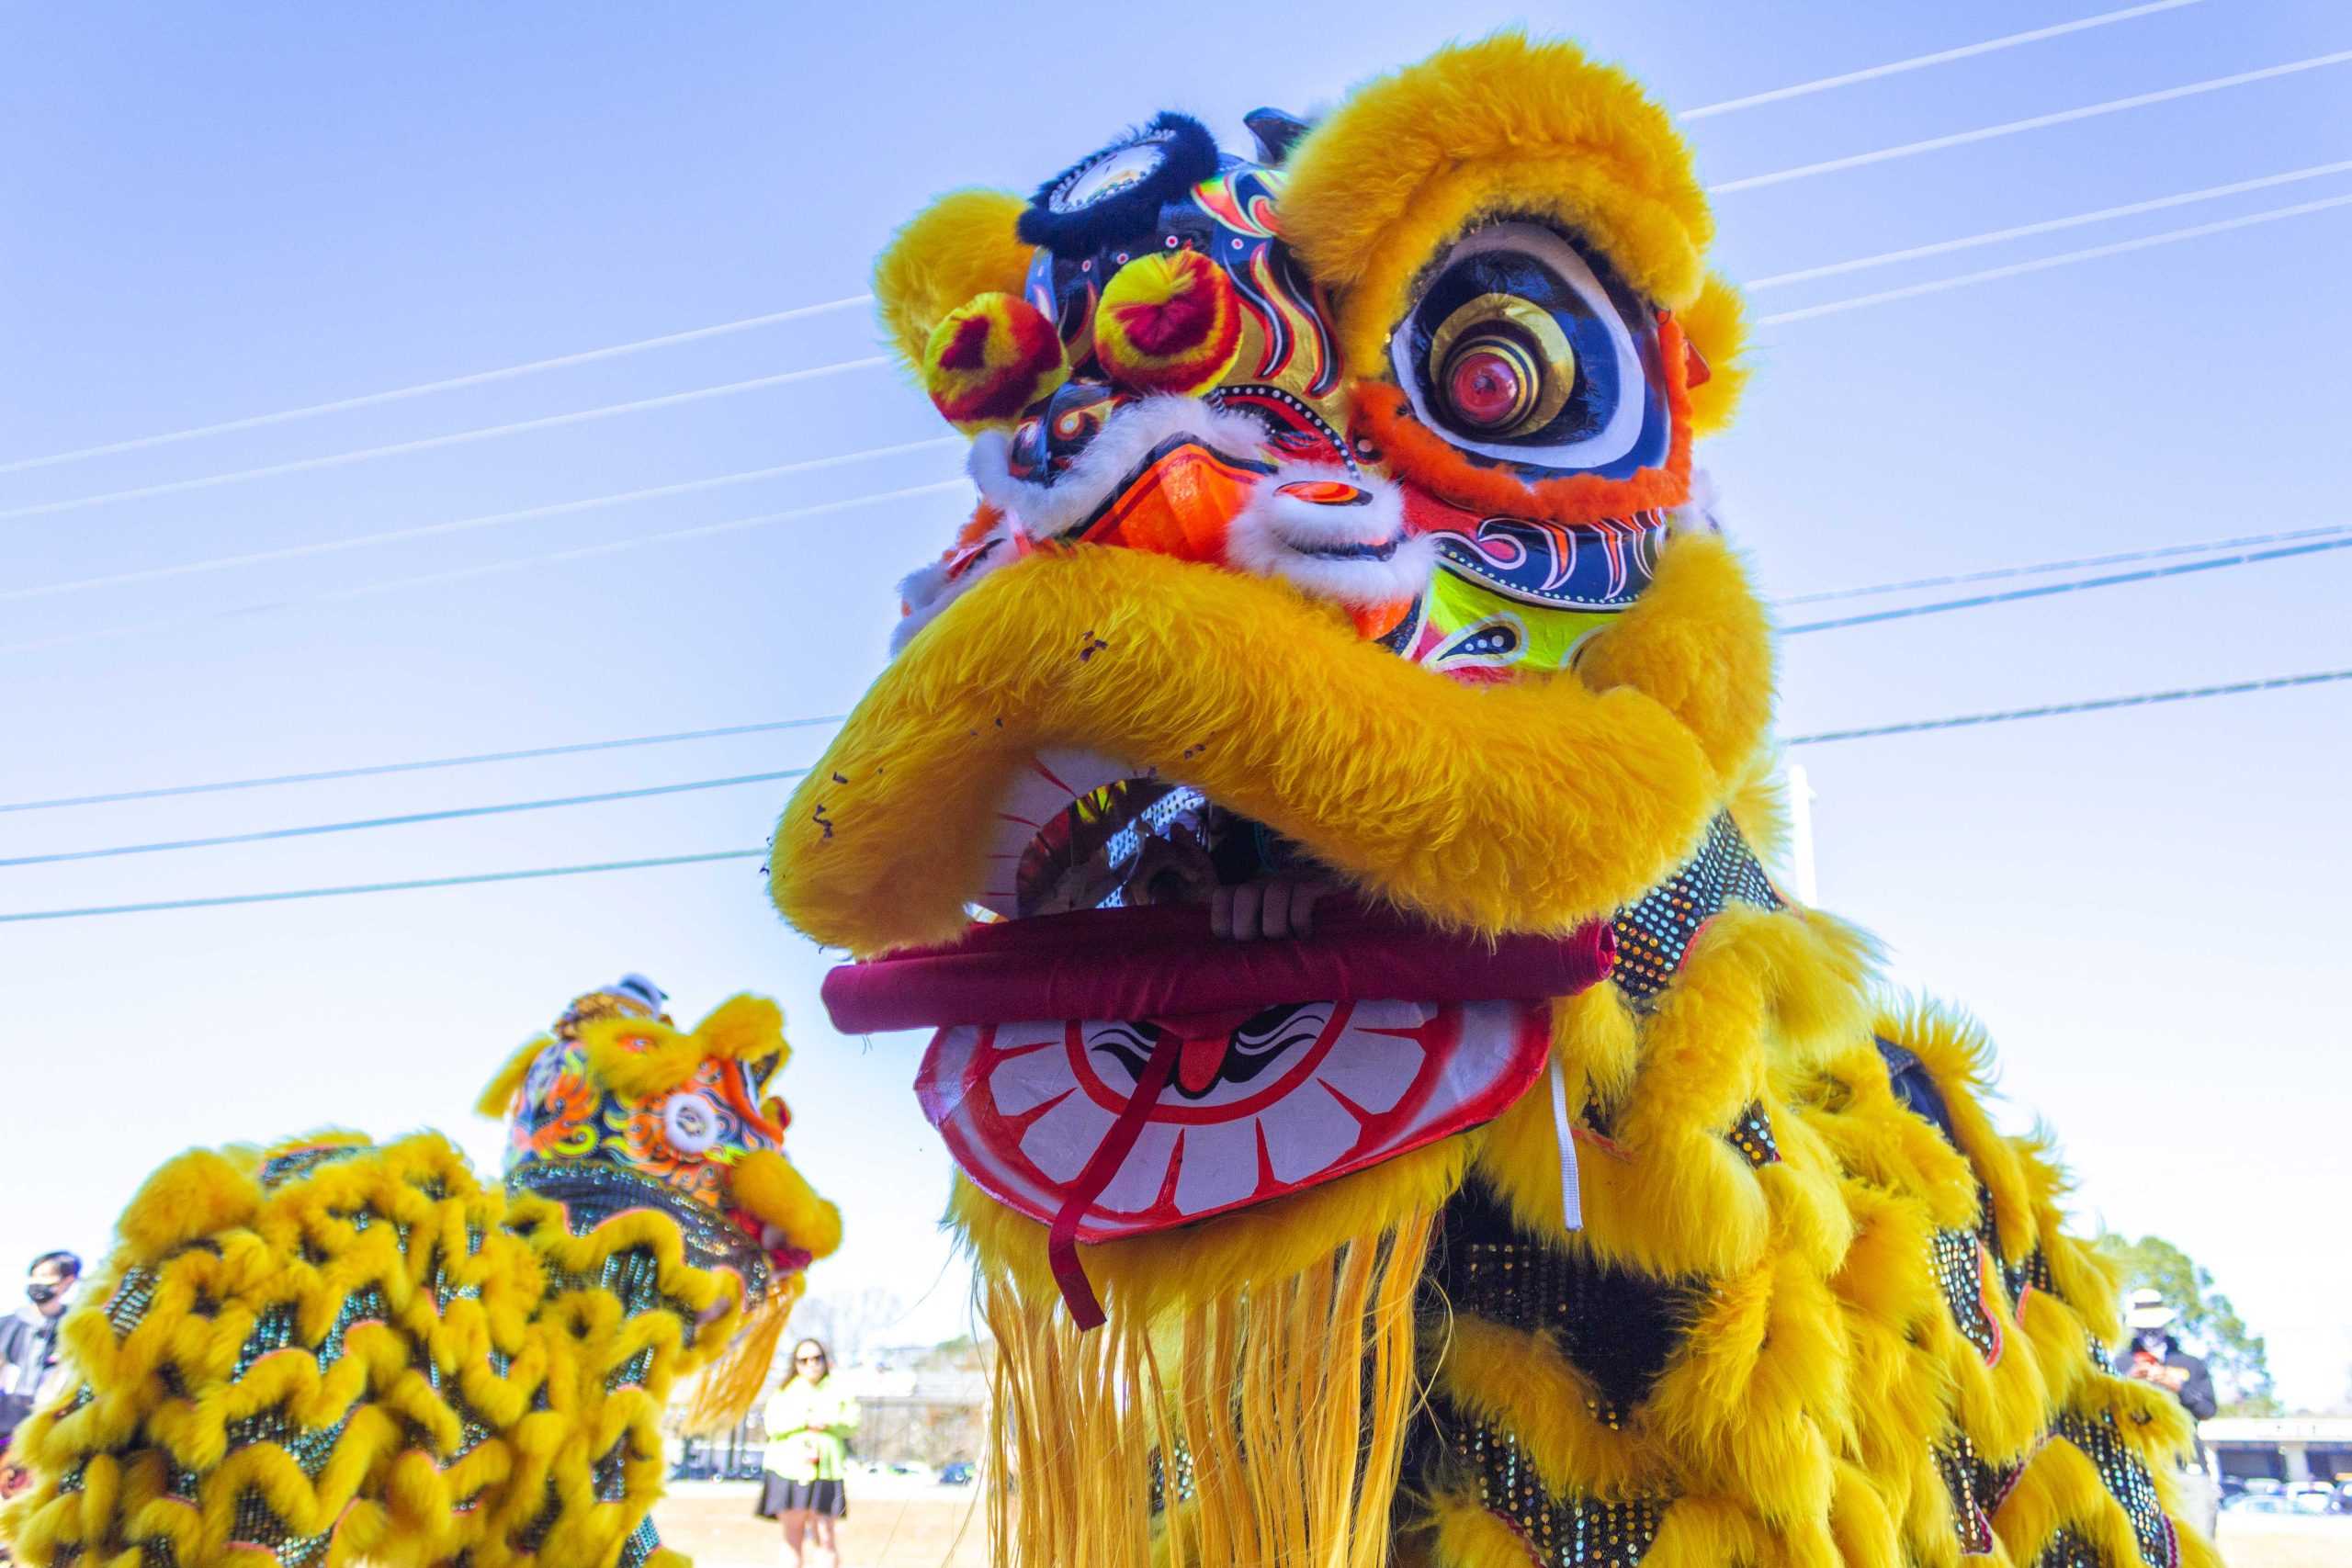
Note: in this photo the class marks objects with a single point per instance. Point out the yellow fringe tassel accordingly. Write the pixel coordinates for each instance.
(1288, 1403)
(724, 1394)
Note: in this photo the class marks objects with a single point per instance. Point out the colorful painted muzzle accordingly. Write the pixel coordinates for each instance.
(599, 1151)
(1200, 410)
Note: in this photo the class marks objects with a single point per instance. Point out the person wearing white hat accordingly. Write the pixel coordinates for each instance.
(2154, 1355)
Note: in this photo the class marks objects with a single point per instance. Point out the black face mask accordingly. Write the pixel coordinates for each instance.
(43, 1292)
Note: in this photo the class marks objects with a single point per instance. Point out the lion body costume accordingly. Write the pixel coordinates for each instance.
(332, 1351)
(1564, 1197)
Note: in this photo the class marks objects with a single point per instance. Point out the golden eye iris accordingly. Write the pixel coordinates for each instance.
(1501, 365)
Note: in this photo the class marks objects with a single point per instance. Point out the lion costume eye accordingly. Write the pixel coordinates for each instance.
(690, 1122)
(1518, 350)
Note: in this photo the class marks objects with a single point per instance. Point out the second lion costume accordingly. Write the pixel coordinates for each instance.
(1565, 1197)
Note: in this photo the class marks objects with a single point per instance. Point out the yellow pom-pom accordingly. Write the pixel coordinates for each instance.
(1167, 322)
(990, 360)
(958, 246)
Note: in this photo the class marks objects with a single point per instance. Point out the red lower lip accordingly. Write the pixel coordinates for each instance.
(1162, 961)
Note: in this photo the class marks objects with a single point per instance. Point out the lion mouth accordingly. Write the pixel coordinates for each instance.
(1103, 1064)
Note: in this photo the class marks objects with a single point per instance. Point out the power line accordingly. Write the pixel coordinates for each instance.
(1993, 574)
(411, 818)
(225, 900)
(799, 312)
(447, 384)
(2052, 225)
(431, 443)
(2036, 122)
(489, 520)
(377, 770)
(1780, 318)
(1941, 57)
(2091, 704)
(2011, 595)
(488, 568)
(2064, 258)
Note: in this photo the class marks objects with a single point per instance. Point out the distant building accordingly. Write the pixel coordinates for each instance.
(2300, 1447)
(926, 1417)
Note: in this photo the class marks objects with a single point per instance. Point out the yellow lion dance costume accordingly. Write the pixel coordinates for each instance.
(1384, 1028)
(334, 1352)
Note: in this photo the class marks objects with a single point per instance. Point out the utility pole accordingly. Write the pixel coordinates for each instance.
(1801, 799)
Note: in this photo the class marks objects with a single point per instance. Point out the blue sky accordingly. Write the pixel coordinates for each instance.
(220, 213)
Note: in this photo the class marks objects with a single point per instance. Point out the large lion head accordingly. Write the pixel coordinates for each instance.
(1335, 533)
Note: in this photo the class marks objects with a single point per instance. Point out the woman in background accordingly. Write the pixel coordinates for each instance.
(809, 1422)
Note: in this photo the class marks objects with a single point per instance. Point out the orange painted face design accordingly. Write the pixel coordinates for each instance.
(1509, 460)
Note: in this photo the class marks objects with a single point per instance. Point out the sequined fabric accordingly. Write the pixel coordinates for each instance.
(2067, 1550)
(296, 1163)
(1614, 1325)
(1957, 1258)
(2127, 1479)
(641, 1544)
(1752, 1136)
(1559, 1532)
(1655, 931)
(592, 1193)
(1974, 1488)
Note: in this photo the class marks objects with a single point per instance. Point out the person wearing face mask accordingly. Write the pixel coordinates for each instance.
(2154, 1355)
(28, 1337)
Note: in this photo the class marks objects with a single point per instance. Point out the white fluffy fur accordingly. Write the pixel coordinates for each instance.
(1047, 512)
(1274, 532)
(928, 590)
(1701, 514)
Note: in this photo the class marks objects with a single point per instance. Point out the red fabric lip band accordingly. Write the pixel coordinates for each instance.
(1159, 960)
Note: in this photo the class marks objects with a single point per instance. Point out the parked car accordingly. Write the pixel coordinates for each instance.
(955, 1472)
(2260, 1503)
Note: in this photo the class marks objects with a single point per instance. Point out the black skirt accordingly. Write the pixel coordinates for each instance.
(777, 1496)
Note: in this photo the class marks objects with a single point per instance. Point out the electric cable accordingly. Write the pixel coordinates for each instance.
(2033, 122)
(2122, 557)
(447, 384)
(826, 307)
(2334, 531)
(488, 520)
(2092, 705)
(2047, 226)
(455, 438)
(2064, 258)
(774, 318)
(448, 814)
(470, 879)
(2089, 705)
(488, 569)
(427, 764)
(901, 449)
(1917, 61)
(1977, 601)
